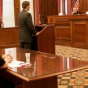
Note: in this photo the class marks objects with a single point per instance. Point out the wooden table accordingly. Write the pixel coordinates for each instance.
(43, 70)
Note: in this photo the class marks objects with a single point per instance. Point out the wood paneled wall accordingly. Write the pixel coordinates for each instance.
(84, 6)
(9, 37)
(47, 8)
(1, 6)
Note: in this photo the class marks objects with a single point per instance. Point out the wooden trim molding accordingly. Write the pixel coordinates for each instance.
(36, 4)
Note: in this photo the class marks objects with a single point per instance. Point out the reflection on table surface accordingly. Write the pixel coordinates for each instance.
(42, 64)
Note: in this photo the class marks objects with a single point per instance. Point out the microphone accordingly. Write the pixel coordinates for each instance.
(44, 18)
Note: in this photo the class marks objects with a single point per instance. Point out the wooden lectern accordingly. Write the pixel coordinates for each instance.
(46, 39)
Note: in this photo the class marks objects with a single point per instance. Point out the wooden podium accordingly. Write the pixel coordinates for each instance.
(46, 39)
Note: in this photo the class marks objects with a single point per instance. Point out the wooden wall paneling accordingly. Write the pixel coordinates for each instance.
(1, 7)
(79, 34)
(16, 10)
(55, 8)
(48, 7)
(40, 11)
(44, 13)
(16, 34)
(58, 6)
(36, 11)
(69, 10)
(63, 35)
(71, 6)
(83, 6)
(9, 37)
(87, 6)
(62, 31)
(48, 2)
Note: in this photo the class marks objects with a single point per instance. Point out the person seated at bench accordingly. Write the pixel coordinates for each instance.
(4, 83)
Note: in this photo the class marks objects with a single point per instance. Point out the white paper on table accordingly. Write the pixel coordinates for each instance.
(15, 63)
(12, 52)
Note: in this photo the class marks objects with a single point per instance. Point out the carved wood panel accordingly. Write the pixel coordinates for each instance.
(80, 33)
(63, 35)
(9, 37)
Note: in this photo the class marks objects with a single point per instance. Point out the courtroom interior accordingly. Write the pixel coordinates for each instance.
(59, 55)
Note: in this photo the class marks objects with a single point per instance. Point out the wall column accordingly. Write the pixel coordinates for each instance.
(58, 6)
(69, 7)
(1, 7)
(36, 4)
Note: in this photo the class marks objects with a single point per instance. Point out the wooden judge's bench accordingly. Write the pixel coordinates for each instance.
(70, 30)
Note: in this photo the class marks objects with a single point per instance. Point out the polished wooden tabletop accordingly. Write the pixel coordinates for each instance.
(42, 64)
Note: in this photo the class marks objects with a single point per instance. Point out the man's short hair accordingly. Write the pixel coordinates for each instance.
(25, 4)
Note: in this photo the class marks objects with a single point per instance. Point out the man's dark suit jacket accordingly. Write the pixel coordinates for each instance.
(26, 27)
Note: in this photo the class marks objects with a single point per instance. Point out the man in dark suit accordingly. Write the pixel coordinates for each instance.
(26, 27)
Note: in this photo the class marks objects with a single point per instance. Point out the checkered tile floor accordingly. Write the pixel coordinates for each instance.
(77, 79)
(81, 54)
